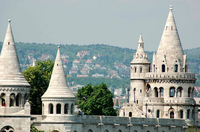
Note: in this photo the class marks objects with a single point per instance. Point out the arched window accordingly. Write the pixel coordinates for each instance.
(135, 131)
(176, 68)
(158, 114)
(189, 92)
(179, 92)
(154, 68)
(119, 131)
(130, 114)
(106, 130)
(171, 92)
(66, 109)
(58, 109)
(140, 69)
(12, 99)
(135, 69)
(193, 114)
(188, 113)
(172, 115)
(163, 68)
(90, 130)
(156, 91)
(7, 129)
(148, 87)
(3, 101)
(181, 113)
(72, 109)
(161, 92)
(18, 100)
(50, 108)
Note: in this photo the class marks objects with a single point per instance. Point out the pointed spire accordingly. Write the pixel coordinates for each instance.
(140, 45)
(10, 72)
(140, 56)
(58, 84)
(140, 39)
(170, 42)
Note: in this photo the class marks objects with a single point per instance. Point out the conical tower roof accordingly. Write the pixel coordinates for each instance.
(170, 44)
(58, 85)
(140, 56)
(10, 72)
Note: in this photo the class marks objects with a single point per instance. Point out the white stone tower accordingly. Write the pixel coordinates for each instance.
(14, 89)
(58, 101)
(169, 88)
(139, 67)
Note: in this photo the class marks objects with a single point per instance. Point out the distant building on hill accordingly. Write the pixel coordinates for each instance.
(81, 54)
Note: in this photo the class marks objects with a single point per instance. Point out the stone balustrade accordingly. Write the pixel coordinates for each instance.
(129, 120)
(179, 75)
(170, 100)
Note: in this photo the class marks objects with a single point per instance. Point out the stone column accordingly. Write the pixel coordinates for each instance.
(62, 108)
(7, 100)
(69, 108)
(54, 108)
(22, 100)
(176, 94)
(0, 100)
(159, 93)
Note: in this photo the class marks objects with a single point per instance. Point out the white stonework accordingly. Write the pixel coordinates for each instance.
(161, 100)
(167, 91)
(14, 89)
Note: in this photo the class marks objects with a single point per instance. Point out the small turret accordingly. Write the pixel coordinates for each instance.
(10, 71)
(140, 56)
(139, 67)
(58, 99)
(14, 88)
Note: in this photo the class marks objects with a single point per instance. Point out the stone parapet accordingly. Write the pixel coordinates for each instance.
(129, 120)
(173, 100)
(171, 75)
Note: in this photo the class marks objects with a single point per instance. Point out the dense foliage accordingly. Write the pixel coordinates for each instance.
(96, 100)
(38, 77)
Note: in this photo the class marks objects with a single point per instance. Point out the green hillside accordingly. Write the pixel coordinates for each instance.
(109, 56)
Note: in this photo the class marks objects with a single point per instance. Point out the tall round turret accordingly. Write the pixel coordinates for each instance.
(14, 89)
(58, 100)
(139, 67)
(170, 56)
(170, 87)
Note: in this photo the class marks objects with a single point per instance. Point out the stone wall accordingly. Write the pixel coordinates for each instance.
(86, 123)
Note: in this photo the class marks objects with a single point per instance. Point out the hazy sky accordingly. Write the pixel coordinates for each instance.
(111, 22)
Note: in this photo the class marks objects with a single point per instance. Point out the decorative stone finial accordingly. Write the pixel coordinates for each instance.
(171, 8)
(58, 46)
(9, 20)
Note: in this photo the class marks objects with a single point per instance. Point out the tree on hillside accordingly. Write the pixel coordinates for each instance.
(38, 77)
(96, 100)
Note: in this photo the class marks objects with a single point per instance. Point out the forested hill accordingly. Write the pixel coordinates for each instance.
(107, 56)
